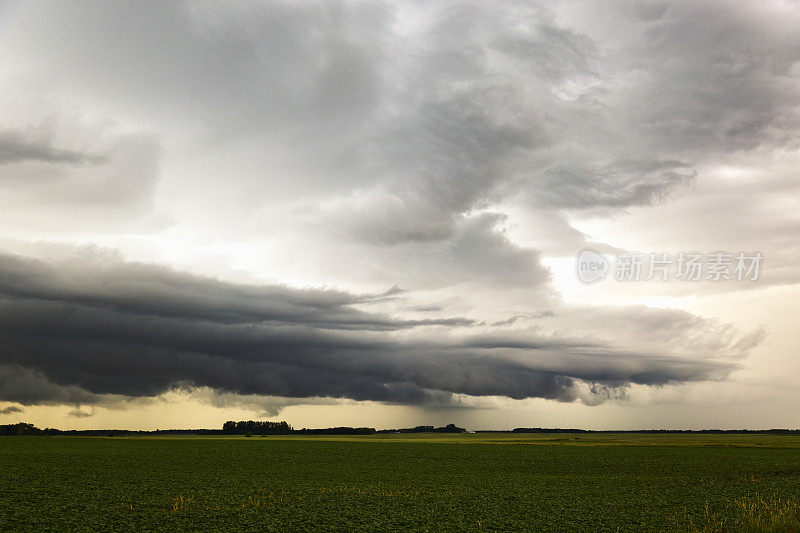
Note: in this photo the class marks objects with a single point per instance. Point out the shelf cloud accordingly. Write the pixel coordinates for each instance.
(75, 331)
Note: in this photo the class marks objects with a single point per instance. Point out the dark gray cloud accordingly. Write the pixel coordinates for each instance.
(72, 333)
(11, 409)
(78, 413)
(30, 387)
(104, 282)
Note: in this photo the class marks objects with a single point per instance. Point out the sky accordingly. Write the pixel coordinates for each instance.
(371, 213)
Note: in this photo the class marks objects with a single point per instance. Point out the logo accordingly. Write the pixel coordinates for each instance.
(591, 266)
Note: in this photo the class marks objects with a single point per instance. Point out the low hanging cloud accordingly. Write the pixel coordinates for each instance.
(78, 413)
(78, 330)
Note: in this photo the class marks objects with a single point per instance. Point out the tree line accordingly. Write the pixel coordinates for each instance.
(449, 428)
(242, 427)
(23, 428)
(253, 427)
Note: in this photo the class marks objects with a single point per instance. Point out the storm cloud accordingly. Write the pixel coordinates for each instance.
(77, 330)
(310, 201)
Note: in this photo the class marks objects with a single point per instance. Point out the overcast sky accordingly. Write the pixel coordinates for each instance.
(369, 213)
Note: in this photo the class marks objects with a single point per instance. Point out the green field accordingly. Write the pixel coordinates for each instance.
(548, 482)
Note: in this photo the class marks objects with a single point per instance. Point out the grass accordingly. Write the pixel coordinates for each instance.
(749, 514)
(546, 482)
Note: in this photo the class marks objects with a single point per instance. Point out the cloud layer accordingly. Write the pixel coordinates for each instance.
(83, 329)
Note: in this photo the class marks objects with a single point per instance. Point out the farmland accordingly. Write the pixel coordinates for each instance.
(552, 482)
